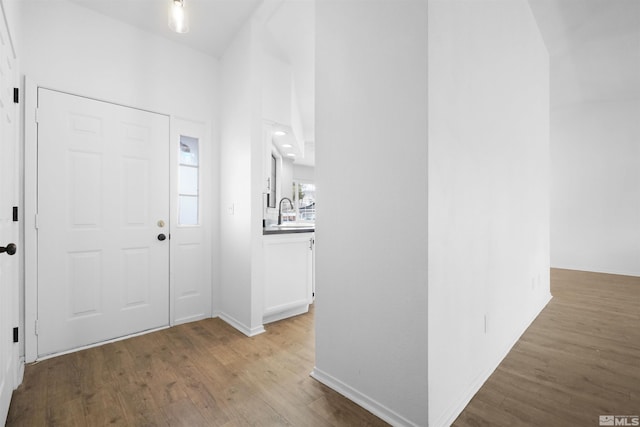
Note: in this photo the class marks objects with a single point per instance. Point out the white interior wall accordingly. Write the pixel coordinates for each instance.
(595, 141)
(596, 187)
(276, 90)
(69, 48)
(252, 81)
(11, 9)
(488, 191)
(303, 173)
(286, 181)
(235, 176)
(242, 179)
(371, 245)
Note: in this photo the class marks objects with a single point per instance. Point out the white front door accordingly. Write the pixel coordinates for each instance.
(8, 227)
(103, 221)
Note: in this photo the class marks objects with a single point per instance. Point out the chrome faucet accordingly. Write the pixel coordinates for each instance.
(280, 208)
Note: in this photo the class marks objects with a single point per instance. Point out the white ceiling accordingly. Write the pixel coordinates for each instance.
(289, 35)
(594, 48)
(594, 45)
(213, 23)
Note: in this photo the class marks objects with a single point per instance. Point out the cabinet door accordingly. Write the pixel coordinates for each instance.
(288, 274)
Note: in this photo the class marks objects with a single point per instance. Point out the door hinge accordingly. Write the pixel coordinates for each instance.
(37, 115)
(36, 327)
(15, 214)
(15, 334)
(36, 222)
(16, 95)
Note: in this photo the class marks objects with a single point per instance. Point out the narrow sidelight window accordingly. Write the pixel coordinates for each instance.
(188, 179)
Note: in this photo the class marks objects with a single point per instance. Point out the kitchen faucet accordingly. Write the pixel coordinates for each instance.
(280, 208)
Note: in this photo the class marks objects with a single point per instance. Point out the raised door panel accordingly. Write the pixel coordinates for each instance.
(103, 184)
(85, 281)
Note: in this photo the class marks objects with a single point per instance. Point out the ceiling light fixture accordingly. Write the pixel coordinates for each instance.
(291, 155)
(286, 145)
(279, 133)
(178, 20)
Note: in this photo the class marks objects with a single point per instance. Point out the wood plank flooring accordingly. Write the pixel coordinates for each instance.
(198, 374)
(580, 359)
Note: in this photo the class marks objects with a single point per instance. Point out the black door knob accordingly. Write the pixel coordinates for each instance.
(10, 249)
(161, 237)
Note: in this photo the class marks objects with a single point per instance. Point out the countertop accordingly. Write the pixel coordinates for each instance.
(288, 229)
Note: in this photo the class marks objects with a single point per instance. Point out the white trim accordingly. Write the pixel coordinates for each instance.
(273, 314)
(172, 219)
(101, 343)
(188, 319)
(19, 372)
(19, 298)
(6, 389)
(363, 400)
(455, 409)
(275, 154)
(250, 332)
(30, 210)
(614, 271)
(107, 101)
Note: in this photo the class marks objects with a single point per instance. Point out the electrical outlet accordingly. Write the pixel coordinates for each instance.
(232, 209)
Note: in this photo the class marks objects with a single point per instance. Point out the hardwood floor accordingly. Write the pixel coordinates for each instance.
(198, 374)
(580, 359)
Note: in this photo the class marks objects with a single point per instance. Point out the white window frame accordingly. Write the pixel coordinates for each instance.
(296, 191)
(198, 169)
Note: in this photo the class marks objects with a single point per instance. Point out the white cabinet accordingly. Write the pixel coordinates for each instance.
(288, 266)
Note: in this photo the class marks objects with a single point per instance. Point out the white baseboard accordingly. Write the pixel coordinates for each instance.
(361, 399)
(455, 409)
(274, 317)
(614, 271)
(250, 332)
(20, 373)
